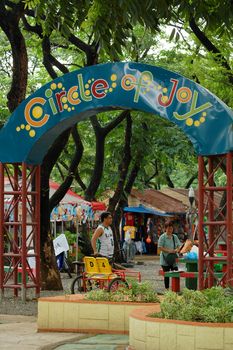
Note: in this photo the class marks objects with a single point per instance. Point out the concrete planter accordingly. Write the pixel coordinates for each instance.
(148, 333)
(71, 313)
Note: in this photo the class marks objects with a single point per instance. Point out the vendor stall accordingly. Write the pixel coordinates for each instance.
(72, 214)
(145, 225)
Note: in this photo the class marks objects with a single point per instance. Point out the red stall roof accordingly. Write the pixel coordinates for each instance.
(72, 197)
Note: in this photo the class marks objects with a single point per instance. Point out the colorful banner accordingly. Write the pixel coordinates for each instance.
(58, 105)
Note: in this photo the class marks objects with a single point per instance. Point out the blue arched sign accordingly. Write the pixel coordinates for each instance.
(58, 105)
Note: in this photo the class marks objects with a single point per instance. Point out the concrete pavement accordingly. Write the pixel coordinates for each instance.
(20, 333)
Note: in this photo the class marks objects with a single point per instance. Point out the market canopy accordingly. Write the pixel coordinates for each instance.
(73, 198)
(143, 210)
(98, 206)
(42, 117)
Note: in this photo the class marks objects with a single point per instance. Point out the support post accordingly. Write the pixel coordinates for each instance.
(24, 231)
(37, 233)
(1, 230)
(211, 228)
(22, 215)
(201, 222)
(219, 222)
(229, 218)
(15, 247)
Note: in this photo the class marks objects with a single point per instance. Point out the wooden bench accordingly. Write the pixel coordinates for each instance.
(177, 275)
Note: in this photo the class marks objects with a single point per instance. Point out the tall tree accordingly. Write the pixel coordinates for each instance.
(9, 22)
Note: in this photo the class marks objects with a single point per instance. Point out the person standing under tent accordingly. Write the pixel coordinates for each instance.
(169, 246)
(102, 241)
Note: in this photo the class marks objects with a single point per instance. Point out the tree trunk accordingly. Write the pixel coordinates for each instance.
(100, 134)
(123, 167)
(50, 275)
(98, 167)
(9, 22)
(64, 187)
(118, 194)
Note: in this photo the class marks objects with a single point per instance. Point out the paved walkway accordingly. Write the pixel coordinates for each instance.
(20, 332)
(98, 342)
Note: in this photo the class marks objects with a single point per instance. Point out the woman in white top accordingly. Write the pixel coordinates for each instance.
(102, 240)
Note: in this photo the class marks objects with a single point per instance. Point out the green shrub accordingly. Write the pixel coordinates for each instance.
(97, 295)
(210, 305)
(143, 292)
(138, 292)
(71, 237)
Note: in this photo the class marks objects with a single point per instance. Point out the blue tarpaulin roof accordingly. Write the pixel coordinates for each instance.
(144, 210)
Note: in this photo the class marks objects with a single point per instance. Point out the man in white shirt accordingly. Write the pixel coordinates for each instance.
(102, 241)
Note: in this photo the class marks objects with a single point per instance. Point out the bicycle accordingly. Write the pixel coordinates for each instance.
(97, 273)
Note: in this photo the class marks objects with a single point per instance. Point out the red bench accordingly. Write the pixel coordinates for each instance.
(177, 275)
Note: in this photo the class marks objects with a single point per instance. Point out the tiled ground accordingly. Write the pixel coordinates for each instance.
(98, 342)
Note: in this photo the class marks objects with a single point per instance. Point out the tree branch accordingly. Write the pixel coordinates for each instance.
(133, 174)
(55, 151)
(49, 60)
(60, 193)
(218, 56)
(96, 125)
(37, 29)
(60, 171)
(110, 126)
(151, 177)
(91, 51)
(63, 164)
(169, 181)
(80, 44)
(46, 61)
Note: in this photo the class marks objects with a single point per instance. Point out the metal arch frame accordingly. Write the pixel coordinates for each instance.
(23, 196)
(29, 199)
(219, 225)
(31, 147)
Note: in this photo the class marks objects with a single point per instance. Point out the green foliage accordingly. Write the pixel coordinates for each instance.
(138, 292)
(217, 15)
(210, 305)
(138, 31)
(97, 295)
(143, 292)
(31, 3)
(71, 237)
(112, 21)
